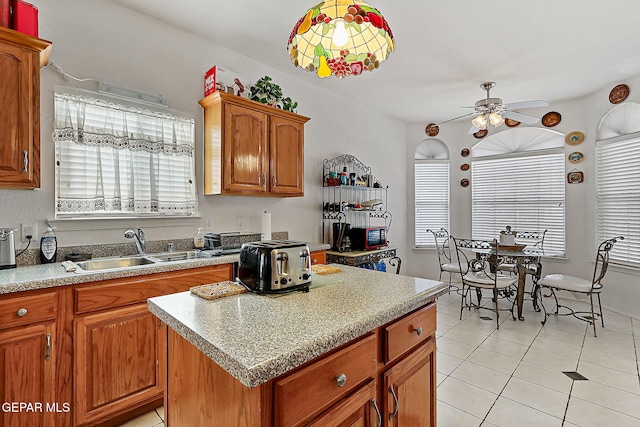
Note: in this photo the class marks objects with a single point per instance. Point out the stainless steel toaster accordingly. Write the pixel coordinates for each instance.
(7, 249)
(275, 266)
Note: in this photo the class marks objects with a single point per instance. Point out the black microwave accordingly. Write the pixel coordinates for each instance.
(368, 238)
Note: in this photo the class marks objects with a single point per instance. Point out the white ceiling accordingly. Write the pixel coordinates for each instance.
(545, 49)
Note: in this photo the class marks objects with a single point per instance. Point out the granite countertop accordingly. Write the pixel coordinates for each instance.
(31, 277)
(256, 338)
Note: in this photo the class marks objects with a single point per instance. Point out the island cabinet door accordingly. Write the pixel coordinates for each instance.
(117, 355)
(409, 390)
(358, 410)
(245, 150)
(27, 377)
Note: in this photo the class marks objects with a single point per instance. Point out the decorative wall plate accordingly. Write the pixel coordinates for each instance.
(464, 182)
(464, 167)
(465, 152)
(576, 157)
(575, 177)
(618, 94)
(481, 133)
(511, 123)
(432, 129)
(551, 119)
(574, 138)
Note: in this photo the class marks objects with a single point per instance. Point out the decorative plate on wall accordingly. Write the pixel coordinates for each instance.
(574, 138)
(511, 123)
(618, 94)
(432, 129)
(465, 152)
(464, 182)
(576, 157)
(551, 119)
(575, 177)
(481, 133)
(464, 167)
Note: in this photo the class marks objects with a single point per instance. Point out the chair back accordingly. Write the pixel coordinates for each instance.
(479, 258)
(531, 238)
(602, 261)
(443, 245)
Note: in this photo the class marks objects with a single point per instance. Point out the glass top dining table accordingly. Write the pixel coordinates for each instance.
(522, 257)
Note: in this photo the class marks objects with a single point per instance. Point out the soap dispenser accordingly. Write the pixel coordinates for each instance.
(198, 240)
(48, 247)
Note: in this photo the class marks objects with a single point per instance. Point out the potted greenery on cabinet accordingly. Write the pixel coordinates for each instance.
(267, 92)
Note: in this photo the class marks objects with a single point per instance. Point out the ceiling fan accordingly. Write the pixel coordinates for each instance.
(492, 111)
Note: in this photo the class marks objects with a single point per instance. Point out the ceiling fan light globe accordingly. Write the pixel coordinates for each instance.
(496, 119)
(480, 121)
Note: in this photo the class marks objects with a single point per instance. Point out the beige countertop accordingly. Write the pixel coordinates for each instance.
(31, 277)
(256, 337)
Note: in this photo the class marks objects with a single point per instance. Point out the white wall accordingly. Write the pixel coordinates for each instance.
(622, 292)
(101, 40)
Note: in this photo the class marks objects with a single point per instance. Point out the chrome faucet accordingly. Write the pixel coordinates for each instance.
(138, 238)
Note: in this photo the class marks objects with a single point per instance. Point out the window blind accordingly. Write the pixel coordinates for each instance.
(431, 200)
(526, 192)
(114, 159)
(618, 187)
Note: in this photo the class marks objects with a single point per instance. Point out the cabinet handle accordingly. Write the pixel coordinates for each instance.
(263, 179)
(26, 161)
(375, 406)
(47, 350)
(418, 330)
(395, 403)
(341, 380)
(22, 312)
(274, 181)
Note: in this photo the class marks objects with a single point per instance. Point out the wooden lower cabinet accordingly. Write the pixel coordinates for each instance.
(409, 388)
(199, 392)
(27, 374)
(117, 354)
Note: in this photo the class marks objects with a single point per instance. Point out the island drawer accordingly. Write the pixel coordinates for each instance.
(409, 331)
(120, 292)
(306, 392)
(28, 308)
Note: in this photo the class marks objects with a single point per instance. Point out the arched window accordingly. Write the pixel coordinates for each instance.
(431, 172)
(618, 181)
(518, 179)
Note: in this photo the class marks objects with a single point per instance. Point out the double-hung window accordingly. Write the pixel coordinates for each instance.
(431, 189)
(121, 160)
(523, 187)
(618, 196)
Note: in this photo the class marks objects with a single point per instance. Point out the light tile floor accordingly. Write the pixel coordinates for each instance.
(513, 376)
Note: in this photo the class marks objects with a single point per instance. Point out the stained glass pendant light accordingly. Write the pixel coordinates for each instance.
(340, 38)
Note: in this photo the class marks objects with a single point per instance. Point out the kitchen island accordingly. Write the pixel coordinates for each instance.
(357, 346)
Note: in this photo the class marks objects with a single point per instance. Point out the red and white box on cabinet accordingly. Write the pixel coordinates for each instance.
(24, 17)
(209, 80)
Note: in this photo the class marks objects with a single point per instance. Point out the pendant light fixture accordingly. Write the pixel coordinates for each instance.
(340, 38)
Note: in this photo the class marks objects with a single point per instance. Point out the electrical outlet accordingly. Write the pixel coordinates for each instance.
(240, 223)
(209, 223)
(28, 230)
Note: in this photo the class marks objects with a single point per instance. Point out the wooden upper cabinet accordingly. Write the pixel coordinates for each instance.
(21, 57)
(251, 149)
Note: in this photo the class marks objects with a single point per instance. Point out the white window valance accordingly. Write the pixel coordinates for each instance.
(113, 159)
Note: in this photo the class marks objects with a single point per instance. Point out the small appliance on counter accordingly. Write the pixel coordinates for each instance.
(275, 266)
(368, 238)
(7, 249)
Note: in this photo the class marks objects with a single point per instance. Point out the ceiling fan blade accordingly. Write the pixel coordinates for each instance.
(456, 118)
(520, 117)
(526, 104)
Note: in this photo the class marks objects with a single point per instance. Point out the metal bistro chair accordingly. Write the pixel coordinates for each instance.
(482, 272)
(533, 269)
(443, 247)
(561, 282)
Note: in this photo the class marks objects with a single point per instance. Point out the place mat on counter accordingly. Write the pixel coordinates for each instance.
(218, 290)
(324, 269)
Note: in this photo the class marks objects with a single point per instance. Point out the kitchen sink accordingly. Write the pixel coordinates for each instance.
(114, 263)
(174, 256)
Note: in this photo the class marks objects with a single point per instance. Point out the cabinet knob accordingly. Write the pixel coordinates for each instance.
(418, 330)
(341, 380)
(22, 312)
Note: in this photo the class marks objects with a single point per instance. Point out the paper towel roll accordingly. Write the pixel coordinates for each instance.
(266, 225)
